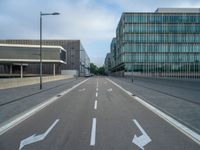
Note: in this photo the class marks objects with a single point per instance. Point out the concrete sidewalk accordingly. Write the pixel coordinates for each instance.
(17, 82)
(179, 99)
(14, 101)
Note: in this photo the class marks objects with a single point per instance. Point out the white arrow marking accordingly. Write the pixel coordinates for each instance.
(81, 90)
(109, 90)
(142, 140)
(34, 138)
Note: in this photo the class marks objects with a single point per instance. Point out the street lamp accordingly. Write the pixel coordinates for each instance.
(43, 14)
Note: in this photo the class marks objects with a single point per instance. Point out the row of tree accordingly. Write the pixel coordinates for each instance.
(96, 70)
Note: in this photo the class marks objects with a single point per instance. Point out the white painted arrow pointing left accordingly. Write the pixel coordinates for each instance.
(34, 138)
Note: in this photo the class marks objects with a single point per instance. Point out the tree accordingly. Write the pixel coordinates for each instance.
(93, 68)
(101, 71)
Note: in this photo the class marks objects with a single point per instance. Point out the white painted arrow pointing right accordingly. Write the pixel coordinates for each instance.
(142, 140)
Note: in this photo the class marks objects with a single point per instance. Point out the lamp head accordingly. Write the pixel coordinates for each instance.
(55, 13)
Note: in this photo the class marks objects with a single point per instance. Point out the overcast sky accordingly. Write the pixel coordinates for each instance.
(92, 21)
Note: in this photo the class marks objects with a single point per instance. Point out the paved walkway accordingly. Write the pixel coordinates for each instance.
(17, 100)
(177, 97)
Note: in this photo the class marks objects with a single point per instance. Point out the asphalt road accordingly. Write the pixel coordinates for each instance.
(95, 115)
(179, 98)
(14, 101)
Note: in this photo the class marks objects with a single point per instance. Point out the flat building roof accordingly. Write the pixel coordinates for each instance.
(178, 10)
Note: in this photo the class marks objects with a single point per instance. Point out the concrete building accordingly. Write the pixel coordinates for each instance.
(161, 43)
(76, 57)
(18, 58)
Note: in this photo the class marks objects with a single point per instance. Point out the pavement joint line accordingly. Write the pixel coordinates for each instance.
(93, 133)
(7, 125)
(182, 128)
(95, 104)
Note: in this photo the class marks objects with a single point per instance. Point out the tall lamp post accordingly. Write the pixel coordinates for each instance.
(43, 14)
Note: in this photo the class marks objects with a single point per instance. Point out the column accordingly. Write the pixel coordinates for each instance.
(11, 69)
(54, 69)
(21, 71)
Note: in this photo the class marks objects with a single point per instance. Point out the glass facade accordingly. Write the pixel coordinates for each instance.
(76, 56)
(107, 63)
(84, 62)
(158, 44)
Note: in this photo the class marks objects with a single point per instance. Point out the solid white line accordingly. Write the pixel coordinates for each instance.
(187, 131)
(93, 132)
(23, 116)
(96, 94)
(95, 104)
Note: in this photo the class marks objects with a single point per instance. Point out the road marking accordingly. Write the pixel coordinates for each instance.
(182, 128)
(81, 90)
(97, 84)
(97, 89)
(105, 82)
(109, 90)
(142, 140)
(95, 104)
(25, 115)
(93, 133)
(34, 138)
(96, 94)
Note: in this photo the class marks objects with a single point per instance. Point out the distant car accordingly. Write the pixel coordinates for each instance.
(87, 75)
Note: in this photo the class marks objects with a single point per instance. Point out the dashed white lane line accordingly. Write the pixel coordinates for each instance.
(97, 89)
(93, 133)
(95, 104)
(96, 94)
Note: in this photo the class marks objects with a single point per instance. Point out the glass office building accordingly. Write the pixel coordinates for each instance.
(163, 43)
(107, 63)
(84, 62)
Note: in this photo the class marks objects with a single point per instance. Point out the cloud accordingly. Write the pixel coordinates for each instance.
(91, 21)
(152, 5)
(80, 20)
